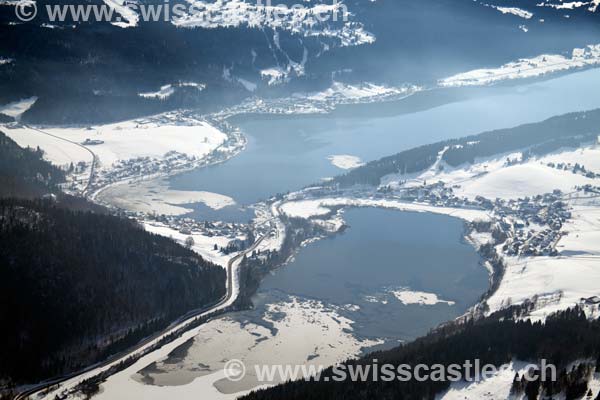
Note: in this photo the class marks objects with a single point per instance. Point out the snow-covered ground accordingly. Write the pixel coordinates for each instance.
(344, 92)
(527, 68)
(320, 102)
(269, 225)
(588, 156)
(562, 281)
(17, 108)
(521, 180)
(492, 178)
(496, 387)
(344, 161)
(309, 20)
(559, 282)
(322, 206)
(151, 137)
(203, 245)
(129, 150)
(167, 91)
(56, 150)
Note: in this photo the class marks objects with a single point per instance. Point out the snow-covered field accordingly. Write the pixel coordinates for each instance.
(140, 148)
(562, 280)
(521, 180)
(145, 138)
(527, 68)
(492, 178)
(203, 245)
(56, 150)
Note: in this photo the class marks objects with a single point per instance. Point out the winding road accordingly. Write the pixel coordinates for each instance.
(94, 158)
(46, 389)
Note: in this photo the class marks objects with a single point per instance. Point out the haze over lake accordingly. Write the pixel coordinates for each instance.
(286, 154)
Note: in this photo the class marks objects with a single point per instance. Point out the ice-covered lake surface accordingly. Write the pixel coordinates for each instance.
(290, 153)
(382, 254)
(390, 277)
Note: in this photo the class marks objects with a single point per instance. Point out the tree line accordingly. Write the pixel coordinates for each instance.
(536, 139)
(564, 338)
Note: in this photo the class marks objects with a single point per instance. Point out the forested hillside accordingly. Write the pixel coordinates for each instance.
(72, 284)
(24, 173)
(564, 338)
(569, 130)
(75, 285)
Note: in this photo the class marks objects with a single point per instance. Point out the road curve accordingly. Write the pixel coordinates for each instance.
(92, 170)
(178, 324)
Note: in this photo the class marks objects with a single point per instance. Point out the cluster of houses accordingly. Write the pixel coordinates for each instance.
(143, 166)
(532, 224)
(239, 234)
(531, 243)
(548, 209)
(319, 103)
(440, 195)
(171, 162)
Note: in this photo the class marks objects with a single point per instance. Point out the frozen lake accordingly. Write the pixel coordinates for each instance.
(390, 277)
(355, 291)
(286, 154)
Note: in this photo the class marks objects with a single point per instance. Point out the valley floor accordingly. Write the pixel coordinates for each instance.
(106, 161)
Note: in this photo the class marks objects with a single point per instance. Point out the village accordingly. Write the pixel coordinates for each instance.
(240, 235)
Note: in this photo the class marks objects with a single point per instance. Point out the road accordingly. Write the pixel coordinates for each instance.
(94, 159)
(181, 323)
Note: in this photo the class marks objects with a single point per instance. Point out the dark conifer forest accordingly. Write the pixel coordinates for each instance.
(569, 130)
(565, 337)
(23, 173)
(77, 285)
